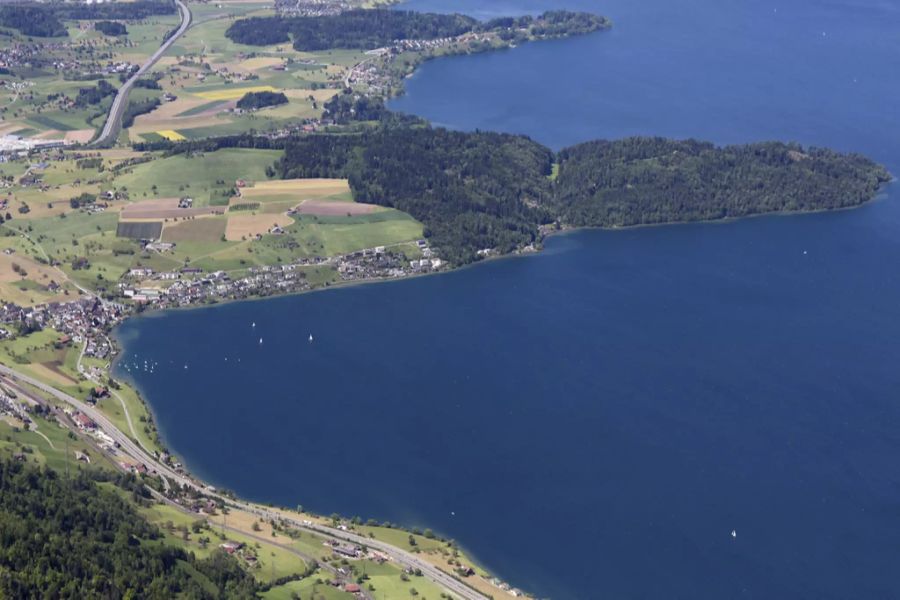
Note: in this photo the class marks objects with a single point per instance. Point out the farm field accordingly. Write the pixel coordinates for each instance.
(206, 73)
(240, 217)
(41, 102)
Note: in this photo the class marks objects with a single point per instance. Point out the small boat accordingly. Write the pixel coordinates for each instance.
(310, 338)
(733, 533)
(260, 340)
(253, 324)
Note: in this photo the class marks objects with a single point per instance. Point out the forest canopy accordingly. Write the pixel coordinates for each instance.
(373, 28)
(110, 28)
(647, 180)
(45, 19)
(256, 100)
(480, 190)
(69, 538)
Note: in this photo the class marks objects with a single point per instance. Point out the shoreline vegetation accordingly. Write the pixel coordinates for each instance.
(477, 195)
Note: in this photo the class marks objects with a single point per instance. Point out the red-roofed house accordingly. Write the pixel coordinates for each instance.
(83, 421)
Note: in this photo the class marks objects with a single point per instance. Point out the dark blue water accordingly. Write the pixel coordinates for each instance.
(601, 416)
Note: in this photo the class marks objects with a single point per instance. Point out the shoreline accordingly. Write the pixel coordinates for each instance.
(120, 345)
(564, 230)
(189, 468)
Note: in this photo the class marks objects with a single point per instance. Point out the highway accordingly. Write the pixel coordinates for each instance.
(132, 449)
(114, 119)
(127, 445)
(407, 559)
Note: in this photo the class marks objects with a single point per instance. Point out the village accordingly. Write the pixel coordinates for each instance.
(191, 286)
(88, 319)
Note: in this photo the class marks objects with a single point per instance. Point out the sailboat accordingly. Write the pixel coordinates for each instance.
(310, 338)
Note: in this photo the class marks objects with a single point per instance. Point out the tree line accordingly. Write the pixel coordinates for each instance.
(362, 28)
(365, 29)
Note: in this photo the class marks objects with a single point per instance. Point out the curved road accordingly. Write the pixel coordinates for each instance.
(111, 127)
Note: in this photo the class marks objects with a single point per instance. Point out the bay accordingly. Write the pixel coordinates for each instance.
(595, 420)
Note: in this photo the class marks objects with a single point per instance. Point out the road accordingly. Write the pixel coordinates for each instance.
(114, 393)
(407, 559)
(128, 446)
(114, 119)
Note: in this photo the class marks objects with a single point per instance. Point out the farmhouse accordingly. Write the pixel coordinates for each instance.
(83, 421)
(231, 547)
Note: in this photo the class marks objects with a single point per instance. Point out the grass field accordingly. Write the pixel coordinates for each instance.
(29, 286)
(205, 178)
(208, 229)
(306, 588)
(47, 446)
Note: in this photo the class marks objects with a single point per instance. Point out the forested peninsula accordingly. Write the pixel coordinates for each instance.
(366, 29)
(480, 193)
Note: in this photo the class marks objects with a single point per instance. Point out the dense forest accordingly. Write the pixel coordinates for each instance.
(485, 190)
(471, 190)
(478, 190)
(352, 29)
(256, 100)
(639, 181)
(69, 538)
(31, 20)
(139, 9)
(45, 19)
(110, 28)
(367, 29)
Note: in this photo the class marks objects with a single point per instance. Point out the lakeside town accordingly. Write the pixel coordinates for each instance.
(89, 319)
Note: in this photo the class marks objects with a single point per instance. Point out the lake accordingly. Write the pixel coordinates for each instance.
(595, 420)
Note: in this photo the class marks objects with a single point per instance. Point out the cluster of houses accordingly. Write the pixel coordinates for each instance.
(376, 72)
(82, 320)
(190, 285)
(12, 407)
(314, 8)
(28, 54)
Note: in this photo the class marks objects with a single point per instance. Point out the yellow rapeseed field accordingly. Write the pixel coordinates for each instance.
(171, 134)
